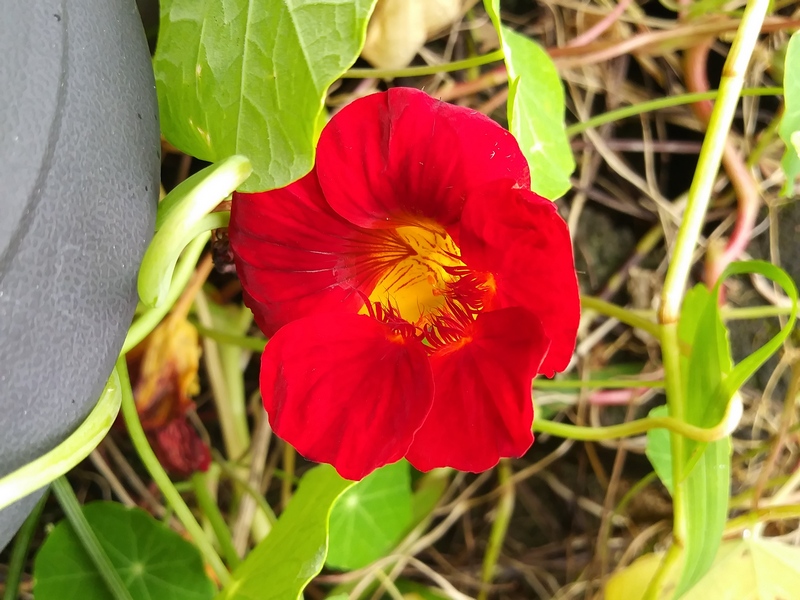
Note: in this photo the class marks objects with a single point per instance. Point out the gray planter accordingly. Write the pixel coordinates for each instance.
(79, 168)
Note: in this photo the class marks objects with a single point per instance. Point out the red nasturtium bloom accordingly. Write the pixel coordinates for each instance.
(412, 285)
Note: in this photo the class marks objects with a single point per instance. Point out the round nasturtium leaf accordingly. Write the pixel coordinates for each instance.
(370, 518)
(153, 560)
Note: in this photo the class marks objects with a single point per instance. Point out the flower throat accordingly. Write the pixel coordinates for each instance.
(430, 289)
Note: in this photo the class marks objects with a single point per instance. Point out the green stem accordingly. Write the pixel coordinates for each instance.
(621, 314)
(595, 384)
(212, 512)
(681, 261)
(710, 158)
(233, 471)
(634, 490)
(762, 515)
(632, 428)
(732, 314)
(68, 453)
(457, 65)
(19, 554)
(502, 519)
(226, 377)
(254, 344)
(88, 538)
(162, 480)
(670, 357)
(150, 319)
(185, 210)
(660, 103)
(755, 312)
(658, 582)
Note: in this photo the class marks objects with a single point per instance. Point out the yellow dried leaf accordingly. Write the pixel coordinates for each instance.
(166, 377)
(754, 569)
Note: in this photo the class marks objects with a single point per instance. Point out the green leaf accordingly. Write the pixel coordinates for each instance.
(659, 450)
(429, 489)
(790, 122)
(535, 109)
(753, 568)
(756, 568)
(710, 383)
(281, 566)
(701, 326)
(705, 467)
(153, 560)
(707, 491)
(250, 76)
(370, 518)
(747, 367)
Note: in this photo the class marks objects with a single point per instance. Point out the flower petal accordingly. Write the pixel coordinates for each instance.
(400, 157)
(482, 410)
(294, 255)
(520, 238)
(346, 390)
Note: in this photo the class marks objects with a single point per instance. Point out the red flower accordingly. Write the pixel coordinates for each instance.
(413, 286)
(179, 448)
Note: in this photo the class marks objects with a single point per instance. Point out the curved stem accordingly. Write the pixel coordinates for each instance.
(148, 321)
(83, 530)
(161, 478)
(255, 344)
(640, 426)
(594, 384)
(621, 314)
(68, 453)
(182, 214)
(457, 65)
(660, 103)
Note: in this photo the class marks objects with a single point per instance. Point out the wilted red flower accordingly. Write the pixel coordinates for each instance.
(163, 371)
(413, 286)
(179, 448)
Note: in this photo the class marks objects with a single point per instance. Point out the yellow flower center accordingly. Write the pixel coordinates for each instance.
(415, 286)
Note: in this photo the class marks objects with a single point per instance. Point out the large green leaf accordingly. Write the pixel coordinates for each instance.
(709, 381)
(281, 566)
(705, 467)
(535, 109)
(152, 560)
(790, 122)
(370, 518)
(250, 76)
(701, 327)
